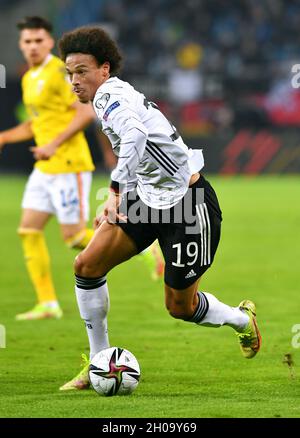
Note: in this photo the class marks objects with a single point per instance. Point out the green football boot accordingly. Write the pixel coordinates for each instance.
(81, 381)
(249, 338)
(40, 311)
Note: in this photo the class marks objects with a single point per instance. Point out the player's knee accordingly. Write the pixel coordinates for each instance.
(78, 265)
(87, 268)
(82, 267)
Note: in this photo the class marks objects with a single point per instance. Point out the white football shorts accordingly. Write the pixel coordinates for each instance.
(65, 195)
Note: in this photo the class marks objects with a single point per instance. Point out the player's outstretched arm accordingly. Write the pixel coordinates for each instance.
(19, 133)
(84, 115)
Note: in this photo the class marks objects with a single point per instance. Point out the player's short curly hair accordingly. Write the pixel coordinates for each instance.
(35, 22)
(93, 41)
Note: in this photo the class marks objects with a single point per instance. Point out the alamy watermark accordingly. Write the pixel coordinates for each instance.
(2, 76)
(296, 337)
(190, 209)
(2, 336)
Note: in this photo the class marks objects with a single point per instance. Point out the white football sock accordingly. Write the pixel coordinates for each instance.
(219, 314)
(93, 307)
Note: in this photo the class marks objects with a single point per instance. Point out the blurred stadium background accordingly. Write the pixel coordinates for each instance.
(220, 70)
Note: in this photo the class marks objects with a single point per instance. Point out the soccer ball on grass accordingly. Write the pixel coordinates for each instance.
(114, 371)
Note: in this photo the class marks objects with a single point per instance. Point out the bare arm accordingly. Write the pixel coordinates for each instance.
(21, 132)
(84, 115)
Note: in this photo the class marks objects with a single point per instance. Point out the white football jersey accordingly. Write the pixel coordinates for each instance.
(151, 153)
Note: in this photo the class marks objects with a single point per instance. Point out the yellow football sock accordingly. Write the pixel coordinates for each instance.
(38, 263)
(81, 239)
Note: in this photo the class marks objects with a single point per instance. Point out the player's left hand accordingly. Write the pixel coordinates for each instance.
(44, 152)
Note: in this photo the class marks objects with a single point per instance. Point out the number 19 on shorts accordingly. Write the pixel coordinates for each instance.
(191, 254)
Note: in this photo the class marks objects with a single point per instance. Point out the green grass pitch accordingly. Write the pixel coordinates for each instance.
(187, 371)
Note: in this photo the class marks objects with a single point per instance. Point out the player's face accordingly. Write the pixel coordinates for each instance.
(86, 75)
(35, 44)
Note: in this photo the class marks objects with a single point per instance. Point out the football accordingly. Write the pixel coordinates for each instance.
(114, 371)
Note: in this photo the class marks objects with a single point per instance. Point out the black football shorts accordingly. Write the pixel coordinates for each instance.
(188, 233)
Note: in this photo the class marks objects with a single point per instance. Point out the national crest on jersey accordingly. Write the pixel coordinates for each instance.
(101, 102)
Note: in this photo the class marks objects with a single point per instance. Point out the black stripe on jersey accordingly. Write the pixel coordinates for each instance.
(160, 161)
(162, 155)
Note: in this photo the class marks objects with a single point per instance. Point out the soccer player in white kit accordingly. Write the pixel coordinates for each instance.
(156, 192)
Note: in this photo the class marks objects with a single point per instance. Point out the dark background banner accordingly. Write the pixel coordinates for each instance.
(241, 149)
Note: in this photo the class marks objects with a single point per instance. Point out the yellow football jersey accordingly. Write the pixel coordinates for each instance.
(48, 96)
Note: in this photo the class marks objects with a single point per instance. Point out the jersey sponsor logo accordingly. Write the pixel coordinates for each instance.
(110, 109)
(102, 101)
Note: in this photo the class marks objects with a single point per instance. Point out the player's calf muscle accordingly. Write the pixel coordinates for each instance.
(180, 313)
(181, 310)
(181, 304)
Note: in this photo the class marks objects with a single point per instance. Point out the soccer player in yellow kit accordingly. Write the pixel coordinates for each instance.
(60, 182)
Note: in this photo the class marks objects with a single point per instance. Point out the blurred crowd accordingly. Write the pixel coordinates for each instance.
(236, 41)
(201, 49)
(235, 55)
